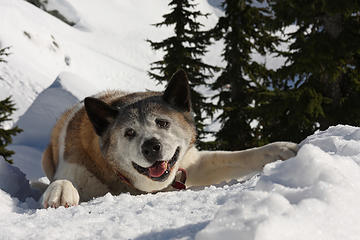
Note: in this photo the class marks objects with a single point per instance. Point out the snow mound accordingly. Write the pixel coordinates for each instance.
(311, 196)
(7, 204)
(13, 182)
(28, 159)
(40, 118)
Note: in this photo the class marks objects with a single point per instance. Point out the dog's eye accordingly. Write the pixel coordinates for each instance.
(130, 133)
(161, 123)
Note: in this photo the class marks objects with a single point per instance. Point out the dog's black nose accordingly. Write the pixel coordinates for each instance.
(151, 149)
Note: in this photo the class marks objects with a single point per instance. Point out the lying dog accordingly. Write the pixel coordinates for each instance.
(119, 142)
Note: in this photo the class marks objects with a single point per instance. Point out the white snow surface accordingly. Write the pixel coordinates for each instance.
(311, 196)
(39, 120)
(65, 8)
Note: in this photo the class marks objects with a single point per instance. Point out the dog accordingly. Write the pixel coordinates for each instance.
(139, 143)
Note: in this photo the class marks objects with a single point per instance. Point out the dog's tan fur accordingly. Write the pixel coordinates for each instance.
(82, 146)
(79, 168)
(78, 126)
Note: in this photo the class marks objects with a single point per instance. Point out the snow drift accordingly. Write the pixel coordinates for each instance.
(312, 196)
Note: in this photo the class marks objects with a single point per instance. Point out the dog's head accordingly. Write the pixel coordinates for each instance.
(144, 136)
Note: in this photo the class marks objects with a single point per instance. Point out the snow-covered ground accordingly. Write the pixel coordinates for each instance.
(314, 195)
(311, 196)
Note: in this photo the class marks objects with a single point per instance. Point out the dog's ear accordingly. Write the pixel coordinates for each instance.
(100, 114)
(177, 92)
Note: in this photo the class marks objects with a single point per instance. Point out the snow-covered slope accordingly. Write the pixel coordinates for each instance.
(106, 47)
(39, 119)
(311, 196)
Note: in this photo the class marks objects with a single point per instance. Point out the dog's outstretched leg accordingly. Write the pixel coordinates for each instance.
(213, 167)
(60, 193)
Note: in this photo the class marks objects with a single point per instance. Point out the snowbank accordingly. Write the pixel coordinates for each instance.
(14, 183)
(311, 196)
(40, 118)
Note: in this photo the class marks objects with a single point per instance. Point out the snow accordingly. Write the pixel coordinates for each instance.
(106, 47)
(39, 119)
(14, 183)
(65, 8)
(42, 114)
(311, 196)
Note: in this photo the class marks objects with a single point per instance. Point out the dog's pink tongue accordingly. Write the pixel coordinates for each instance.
(158, 169)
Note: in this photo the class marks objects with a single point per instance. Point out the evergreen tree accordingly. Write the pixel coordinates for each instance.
(244, 31)
(6, 109)
(184, 50)
(320, 84)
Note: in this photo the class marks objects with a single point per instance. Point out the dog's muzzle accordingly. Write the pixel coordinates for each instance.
(160, 170)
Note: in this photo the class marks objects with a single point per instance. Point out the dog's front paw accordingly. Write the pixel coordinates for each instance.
(60, 193)
(280, 151)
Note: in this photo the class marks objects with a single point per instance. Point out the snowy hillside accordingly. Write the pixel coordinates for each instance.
(311, 196)
(106, 47)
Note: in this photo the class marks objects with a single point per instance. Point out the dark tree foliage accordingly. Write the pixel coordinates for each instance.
(184, 50)
(6, 109)
(244, 31)
(320, 84)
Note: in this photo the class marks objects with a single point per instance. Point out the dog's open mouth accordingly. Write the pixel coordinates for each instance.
(160, 170)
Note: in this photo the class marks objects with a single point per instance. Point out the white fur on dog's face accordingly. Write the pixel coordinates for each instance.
(122, 150)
